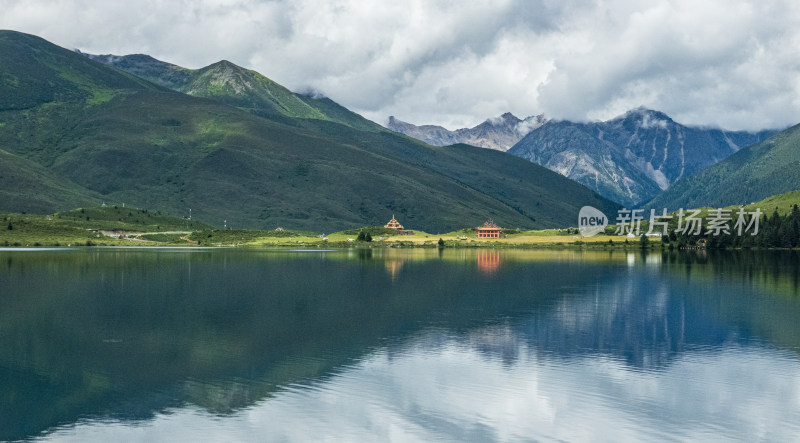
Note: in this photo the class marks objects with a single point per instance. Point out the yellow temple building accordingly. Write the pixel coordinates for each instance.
(394, 224)
(489, 230)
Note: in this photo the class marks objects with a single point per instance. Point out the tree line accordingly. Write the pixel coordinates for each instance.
(774, 231)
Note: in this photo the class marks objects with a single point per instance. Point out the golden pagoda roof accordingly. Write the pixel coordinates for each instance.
(489, 225)
(393, 224)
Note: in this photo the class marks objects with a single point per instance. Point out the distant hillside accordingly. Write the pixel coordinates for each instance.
(27, 186)
(756, 172)
(44, 92)
(112, 217)
(783, 203)
(236, 86)
(499, 133)
(103, 134)
(631, 158)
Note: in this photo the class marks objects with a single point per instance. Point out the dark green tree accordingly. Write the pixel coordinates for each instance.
(785, 235)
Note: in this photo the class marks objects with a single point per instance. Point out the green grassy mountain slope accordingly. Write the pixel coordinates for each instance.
(36, 72)
(155, 71)
(756, 172)
(27, 186)
(230, 165)
(130, 219)
(236, 86)
(152, 148)
(782, 203)
(46, 90)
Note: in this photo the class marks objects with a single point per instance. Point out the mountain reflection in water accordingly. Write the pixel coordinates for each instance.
(407, 344)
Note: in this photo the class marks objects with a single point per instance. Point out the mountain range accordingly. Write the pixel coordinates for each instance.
(499, 133)
(751, 174)
(629, 159)
(632, 158)
(233, 145)
(239, 87)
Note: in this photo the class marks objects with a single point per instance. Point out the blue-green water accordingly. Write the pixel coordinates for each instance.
(398, 345)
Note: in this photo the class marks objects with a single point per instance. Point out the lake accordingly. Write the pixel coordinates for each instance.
(171, 344)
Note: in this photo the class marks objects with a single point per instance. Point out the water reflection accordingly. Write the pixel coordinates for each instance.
(375, 344)
(393, 267)
(452, 392)
(488, 261)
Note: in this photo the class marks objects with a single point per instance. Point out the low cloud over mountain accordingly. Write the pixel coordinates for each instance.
(729, 64)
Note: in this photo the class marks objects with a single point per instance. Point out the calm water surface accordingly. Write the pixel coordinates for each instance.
(104, 344)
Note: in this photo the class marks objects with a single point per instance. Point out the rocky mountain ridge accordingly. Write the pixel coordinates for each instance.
(632, 158)
(500, 133)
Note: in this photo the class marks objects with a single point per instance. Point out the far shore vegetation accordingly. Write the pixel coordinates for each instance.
(117, 226)
(120, 226)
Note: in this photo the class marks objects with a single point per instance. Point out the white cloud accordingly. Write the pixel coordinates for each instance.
(717, 63)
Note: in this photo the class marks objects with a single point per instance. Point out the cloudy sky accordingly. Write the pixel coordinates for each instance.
(727, 63)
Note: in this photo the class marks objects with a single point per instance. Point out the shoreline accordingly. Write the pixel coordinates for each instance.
(338, 246)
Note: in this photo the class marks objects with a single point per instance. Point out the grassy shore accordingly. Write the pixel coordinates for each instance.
(117, 226)
(120, 226)
(100, 226)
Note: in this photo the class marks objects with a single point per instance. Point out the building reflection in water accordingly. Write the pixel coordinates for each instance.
(488, 261)
(393, 267)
